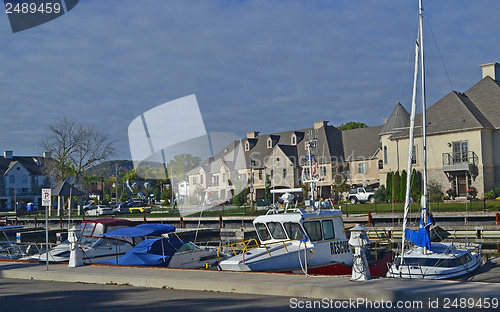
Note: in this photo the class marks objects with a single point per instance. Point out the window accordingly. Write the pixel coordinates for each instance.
(313, 229)
(247, 146)
(201, 179)
(362, 168)
(385, 155)
(322, 171)
(380, 164)
(195, 180)
(224, 178)
(294, 139)
(243, 176)
(269, 143)
(460, 151)
(293, 230)
(262, 231)
(328, 231)
(272, 174)
(414, 155)
(215, 180)
(276, 230)
(12, 179)
(25, 179)
(260, 174)
(284, 173)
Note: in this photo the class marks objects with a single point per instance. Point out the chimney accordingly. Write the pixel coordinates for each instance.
(8, 154)
(252, 135)
(319, 124)
(492, 70)
(47, 154)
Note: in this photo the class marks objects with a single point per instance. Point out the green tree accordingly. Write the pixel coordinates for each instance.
(416, 190)
(389, 183)
(181, 165)
(402, 190)
(339, 185)
(352, 125)
(396, 191)
(267, 190)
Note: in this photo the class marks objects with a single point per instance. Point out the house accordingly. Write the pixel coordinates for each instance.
(463, 138)
(21, 180)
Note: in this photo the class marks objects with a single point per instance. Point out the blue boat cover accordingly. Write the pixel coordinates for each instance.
(420, 238)
(150, 252)
(152, 229)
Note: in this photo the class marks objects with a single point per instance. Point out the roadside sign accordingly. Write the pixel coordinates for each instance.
(46, 197)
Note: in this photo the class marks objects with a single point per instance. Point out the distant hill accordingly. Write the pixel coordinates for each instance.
(107, 169)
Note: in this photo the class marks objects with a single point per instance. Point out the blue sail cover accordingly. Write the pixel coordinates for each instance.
(151, 229)
(150, 252)
(420, 238)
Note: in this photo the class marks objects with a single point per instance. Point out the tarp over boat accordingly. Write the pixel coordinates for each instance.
(420, 238)
(150, 252)
(151, 229)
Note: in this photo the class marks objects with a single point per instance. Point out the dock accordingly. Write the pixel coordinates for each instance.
(486, 284)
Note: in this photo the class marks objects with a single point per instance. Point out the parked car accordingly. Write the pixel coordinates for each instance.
(88, 206)
(121, 208)
(138, 207)
(99, 210)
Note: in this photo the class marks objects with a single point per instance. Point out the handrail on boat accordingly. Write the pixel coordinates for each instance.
(247, 244)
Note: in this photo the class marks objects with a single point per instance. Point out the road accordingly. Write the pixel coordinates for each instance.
(41, 296)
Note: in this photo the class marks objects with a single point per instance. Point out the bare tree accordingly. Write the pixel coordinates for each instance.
(75, 147)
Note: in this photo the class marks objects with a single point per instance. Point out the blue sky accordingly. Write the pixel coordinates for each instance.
(265, 66)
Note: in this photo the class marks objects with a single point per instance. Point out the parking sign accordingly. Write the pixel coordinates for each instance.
(46, 197)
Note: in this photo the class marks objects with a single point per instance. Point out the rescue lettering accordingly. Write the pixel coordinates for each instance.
(339, 247)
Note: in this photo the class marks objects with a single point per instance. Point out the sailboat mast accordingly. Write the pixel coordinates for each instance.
(410, 144)
(424, 199)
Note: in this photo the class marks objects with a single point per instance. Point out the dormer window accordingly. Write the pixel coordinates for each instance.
(294, 139)
(247, 146)
(269, 143)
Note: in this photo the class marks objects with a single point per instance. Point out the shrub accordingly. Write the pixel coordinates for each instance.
(490, 195)
(380, 195)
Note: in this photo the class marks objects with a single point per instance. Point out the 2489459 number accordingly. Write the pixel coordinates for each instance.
(32, 8)
(470, 303)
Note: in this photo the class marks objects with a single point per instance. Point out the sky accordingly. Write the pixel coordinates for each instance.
(266, 66)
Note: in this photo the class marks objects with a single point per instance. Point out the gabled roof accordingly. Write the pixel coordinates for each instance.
(486, 97)
(453, 113)
(361, 143)
(398, 119)
(329, 145)
(34, 165)
(65, 189)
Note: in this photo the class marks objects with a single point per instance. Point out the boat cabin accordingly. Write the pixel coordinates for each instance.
(320, 226)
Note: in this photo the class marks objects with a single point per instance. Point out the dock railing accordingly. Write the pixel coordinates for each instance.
(251, 243)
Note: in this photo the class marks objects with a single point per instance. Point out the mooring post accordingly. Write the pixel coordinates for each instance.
(220, 221)
(369, 219)
(180, 222)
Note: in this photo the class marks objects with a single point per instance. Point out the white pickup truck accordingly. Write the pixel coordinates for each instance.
(359, 194)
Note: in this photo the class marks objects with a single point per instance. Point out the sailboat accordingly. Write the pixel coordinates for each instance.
(424, 259)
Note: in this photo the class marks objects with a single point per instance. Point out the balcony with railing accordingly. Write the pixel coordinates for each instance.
(466, 161)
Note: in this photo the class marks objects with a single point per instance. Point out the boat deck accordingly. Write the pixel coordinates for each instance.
(485, 284)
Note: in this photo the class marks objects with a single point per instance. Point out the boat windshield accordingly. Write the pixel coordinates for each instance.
(276, 230)
(328, 231)
(436, 262)
(189, 246)
(262, 231)
(294, 230)
(88, 229)
(89, 241)
(313, 229)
